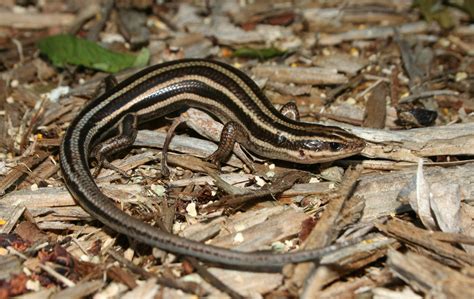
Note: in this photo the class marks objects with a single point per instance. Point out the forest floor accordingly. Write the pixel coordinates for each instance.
(398, 74)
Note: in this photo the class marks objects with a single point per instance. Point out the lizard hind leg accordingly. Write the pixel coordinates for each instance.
(231, 133)
(127, 133)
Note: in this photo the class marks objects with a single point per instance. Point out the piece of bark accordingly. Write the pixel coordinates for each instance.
(421, 202)
(437, 204)
(41, 294)
(24, 73)
(113, 289)
(453, 238)
(132, 25)
(80, 290)
(30, 232)
(347, 260)
(85, 14)
(347, 289)
(103, 14)
(430, 277)
(325, 231)
(247, 284)
(410, 145)
(344, 113)
(341, 62)
(149, 289)
(384, 165)
(412, 68)
(236, 223)
(300, 75)
(54, 225)
(369, 15)
(404, 292)
(183, 286)
(376, 107)
(9, 265)
(24, 165)
(194, 45)
(40, 174)
(246, 236)
(228, 33)
(289, 89)
(12, 214)
(462, 44)
(337, 18)
(35, 20)
(120, 275)
(384, 193)
(419, 237)
(53, 204)
(428, 94)
(250, 230)
(373, 32)
(213, 279)
(395, 86)
(57, 204)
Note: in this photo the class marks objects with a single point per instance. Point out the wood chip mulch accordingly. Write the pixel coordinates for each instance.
(395, 73)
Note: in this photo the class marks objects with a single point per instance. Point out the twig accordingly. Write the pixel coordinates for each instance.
(213, 280)
(429, 93)
(280, 184)
(104, 16)
(19, 48)
(165, 171)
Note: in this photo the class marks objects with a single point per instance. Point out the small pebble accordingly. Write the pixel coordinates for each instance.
(461, 76)
(238, 238)
(333, 174)
(191, 209)
(260, 181)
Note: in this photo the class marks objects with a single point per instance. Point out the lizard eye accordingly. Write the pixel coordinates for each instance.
(334, 146)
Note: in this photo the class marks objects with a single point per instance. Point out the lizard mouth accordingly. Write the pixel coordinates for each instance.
(336, 151)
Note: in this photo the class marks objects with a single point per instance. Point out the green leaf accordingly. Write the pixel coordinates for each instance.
(444, 18)
(465, 5)
(265, 53)
(66, 49)
(435, 10)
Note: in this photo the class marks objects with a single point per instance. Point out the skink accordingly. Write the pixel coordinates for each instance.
(225, 92)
